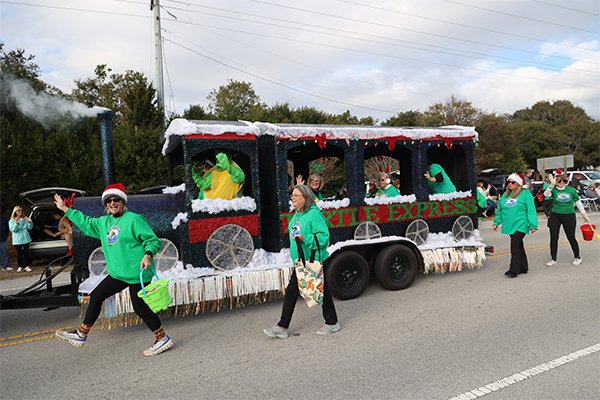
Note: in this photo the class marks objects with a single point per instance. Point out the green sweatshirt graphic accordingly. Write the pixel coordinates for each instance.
(307, 224)
(124, 240)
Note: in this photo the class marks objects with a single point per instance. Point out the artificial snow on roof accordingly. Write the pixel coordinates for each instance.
(331, 132)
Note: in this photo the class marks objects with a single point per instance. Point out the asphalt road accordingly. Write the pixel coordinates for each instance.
(466, 335)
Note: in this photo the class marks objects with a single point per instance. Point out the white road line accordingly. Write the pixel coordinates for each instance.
(520, 376)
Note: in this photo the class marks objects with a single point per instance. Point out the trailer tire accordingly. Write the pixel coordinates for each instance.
(347, 275)
(396, 267)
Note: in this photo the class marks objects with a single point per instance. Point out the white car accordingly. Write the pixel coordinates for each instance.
(587, 177)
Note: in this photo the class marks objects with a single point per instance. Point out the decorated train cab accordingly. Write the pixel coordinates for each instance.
(221, 217)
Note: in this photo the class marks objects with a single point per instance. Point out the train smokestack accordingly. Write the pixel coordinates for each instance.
(106, 146)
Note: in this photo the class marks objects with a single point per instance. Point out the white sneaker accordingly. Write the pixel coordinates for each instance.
(551, 263)
(276, 331)
(159, 346)
(577, 261)
(19, 269)
(73, 336)
(7, 269)
(329, 329)
(27, 269)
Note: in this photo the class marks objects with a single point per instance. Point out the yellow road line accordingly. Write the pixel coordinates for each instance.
(531, 248)
(35, 334)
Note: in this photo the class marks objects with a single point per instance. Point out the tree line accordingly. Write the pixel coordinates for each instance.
(65, 149)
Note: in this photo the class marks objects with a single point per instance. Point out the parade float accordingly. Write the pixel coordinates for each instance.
(228, 253)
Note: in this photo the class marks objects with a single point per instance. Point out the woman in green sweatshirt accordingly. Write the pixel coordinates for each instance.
(127, 242)
(516, 213)
(308, 222)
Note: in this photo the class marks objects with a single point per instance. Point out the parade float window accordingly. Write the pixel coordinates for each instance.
(204, 165)
(453, 159)
(327, 162)
(396, 162)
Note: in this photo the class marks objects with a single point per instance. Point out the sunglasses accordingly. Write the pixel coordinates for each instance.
(314, 181)
(509, 182)
(560, 180)
(113, 200)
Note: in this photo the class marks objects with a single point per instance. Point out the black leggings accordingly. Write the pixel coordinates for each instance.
(110, 286)
(569, 223)
(547, 206)
(22, 255)
(291, 295)
(518, 257)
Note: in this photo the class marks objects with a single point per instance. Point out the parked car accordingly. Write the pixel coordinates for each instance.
(41, 202)
(584, 178)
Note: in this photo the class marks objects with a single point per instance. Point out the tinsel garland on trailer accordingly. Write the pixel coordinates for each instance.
(451, 259)
(194, 296)
(229, 290)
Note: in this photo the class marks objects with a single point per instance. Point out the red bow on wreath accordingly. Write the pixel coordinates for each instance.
(321, 138)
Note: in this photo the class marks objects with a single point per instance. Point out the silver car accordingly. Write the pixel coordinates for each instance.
(41, 202)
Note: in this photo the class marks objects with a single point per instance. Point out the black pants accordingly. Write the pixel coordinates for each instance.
(547, 206)
(569, 223)
(110, 286)
(518, 257)
(22, 255)
(291, 296)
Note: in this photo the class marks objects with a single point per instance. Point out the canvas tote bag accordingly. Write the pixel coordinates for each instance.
(310, 276)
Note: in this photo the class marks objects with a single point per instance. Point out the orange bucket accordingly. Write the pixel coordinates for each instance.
(588, 231)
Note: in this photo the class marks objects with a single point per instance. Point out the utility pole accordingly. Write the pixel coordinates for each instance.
(160, 89)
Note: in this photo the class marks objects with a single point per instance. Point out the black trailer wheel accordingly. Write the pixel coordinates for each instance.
(396, 267)
(462, 229)
(347, 275)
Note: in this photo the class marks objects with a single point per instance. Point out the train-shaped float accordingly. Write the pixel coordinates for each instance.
(222, 253)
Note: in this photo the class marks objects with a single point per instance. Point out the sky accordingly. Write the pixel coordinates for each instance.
(373, 58)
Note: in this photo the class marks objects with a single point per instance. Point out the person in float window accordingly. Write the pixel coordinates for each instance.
(386, 188)
(223, 181)
(437, 179)
(315, 182)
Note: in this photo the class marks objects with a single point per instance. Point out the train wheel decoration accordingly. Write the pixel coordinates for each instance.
(462, 229)
(396, 267)
(97, 262)
(164, 260)
(167, 256)
(367, 230)
(229, 246)
(418, 231)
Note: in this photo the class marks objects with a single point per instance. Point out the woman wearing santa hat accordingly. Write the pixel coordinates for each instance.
(516, 212)
(127, 241)
(564, 200)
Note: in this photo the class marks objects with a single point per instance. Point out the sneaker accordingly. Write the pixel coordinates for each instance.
(329, 329)
(577, 261)
(484, 214)
(276, 331)
(7, 269)
(159, 346)
(72, 336)
(27, 269)
(19, 269)
(551, 263)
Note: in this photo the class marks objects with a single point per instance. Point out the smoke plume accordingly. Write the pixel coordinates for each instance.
(48, 110)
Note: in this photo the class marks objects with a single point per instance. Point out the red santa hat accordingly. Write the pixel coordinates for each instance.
(557, 172)
(117, 190)
(516, 177)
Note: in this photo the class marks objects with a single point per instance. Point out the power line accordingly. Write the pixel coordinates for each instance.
(399, 57)
(457, 24)
(519, 16)
(278, 83)
(566, 8)
(76, 9)
(522, 62)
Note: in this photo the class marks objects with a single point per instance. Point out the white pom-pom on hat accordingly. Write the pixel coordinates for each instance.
(117, 190)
